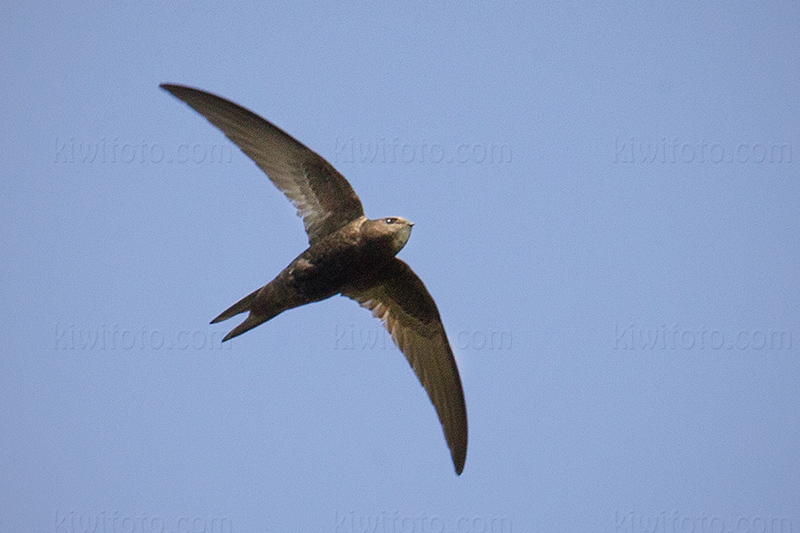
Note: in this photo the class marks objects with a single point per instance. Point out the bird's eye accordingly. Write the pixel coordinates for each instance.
(390, 220)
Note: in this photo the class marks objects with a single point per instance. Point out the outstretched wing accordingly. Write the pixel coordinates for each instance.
(322, 196)
(398, 297)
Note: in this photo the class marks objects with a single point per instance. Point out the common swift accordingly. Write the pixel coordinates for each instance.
(348, 254)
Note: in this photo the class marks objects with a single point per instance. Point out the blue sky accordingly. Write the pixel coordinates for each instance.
(606, 207)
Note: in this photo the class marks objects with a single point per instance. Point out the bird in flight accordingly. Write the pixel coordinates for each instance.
(348, 254)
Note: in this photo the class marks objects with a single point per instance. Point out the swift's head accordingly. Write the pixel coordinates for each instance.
(396, 230)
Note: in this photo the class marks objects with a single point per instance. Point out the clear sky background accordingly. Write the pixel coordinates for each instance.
(606, 198)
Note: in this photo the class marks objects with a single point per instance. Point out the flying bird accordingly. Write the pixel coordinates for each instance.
(348, 254)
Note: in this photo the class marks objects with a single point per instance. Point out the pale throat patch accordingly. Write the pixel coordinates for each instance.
(400, 238)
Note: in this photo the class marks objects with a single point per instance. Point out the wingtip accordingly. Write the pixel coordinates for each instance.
(171, 88)
(458, 463)
(458, 448)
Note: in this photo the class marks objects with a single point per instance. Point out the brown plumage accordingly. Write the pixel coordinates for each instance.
(348, 254)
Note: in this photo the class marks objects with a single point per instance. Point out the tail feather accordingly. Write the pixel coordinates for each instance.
(263, 304)
(252, 321)
(239, 307)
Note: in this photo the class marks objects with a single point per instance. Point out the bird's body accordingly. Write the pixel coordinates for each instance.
(348, 254)
(342, 260)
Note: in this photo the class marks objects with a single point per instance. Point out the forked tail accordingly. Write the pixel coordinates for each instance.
(263, 304)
